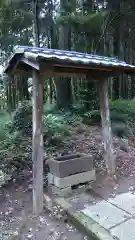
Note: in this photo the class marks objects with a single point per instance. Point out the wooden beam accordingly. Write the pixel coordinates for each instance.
(69, 71)
(33, 64)
(117, 70)
(106, 127)
(37, 151)
(74, 66)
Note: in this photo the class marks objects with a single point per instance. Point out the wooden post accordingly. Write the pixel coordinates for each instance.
(37, 153)
(106, 127)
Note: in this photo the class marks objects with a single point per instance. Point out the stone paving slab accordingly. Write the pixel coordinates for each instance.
(101, 219)
(82, 200)
(125, 201)
(125, 231)
(106, 214)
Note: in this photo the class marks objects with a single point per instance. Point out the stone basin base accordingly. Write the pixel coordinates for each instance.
(64, 186)
(68, 165)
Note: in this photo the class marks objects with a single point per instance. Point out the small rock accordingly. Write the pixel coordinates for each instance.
(65, 238)
(66, 220)
(39, 226)
(115, 187)
(57, 235)
(6, 213)
(51, 231)
(131, 188)
(59, 216)
(124, 145)
(42, 220)
(16, 233)
(29, 236)
(30, 187)
(112, 195)
(10, 209)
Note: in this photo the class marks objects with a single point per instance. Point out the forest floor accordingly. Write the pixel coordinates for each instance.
(16, 198)
(16, 207)
(88, 139)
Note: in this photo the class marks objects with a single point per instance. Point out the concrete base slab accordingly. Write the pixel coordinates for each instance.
(125, 231)
(71, 180)
(106, 214)
(125, 201)
(63, 192)
(68, 191)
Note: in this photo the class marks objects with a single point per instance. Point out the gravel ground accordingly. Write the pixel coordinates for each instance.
(47, 227)
(16, 205)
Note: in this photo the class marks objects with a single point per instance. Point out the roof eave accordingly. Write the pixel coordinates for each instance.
(12, 64)
(14, 60)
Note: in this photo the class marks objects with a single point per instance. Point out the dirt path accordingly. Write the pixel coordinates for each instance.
(16, 204)
(46, 227)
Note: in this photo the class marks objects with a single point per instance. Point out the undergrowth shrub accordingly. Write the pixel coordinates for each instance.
(78, 109)
(117, 116)
(4, 119)
(92, 117)
(119, 129)
(22, 118)
(122, 114)
(124, 107)
(12, 140)
(54, 124)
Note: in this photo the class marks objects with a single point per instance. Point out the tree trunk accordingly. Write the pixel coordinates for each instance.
(63, 85)
(115, 9)
(25, 88)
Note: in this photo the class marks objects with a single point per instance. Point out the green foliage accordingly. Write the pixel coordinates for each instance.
(78, 109)
(89, 98)
(117, 116)
(92, 117)
(50, 108)
(92, 21)
(4, 118)
(10, 146)
(119, 129)
(54, 124)
(17, 20)
(123, 117)
(126, 107)
(12, 140)
(122, 114)
(14, 152)
(22, 118)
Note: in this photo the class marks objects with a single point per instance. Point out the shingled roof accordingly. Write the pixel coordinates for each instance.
(34, 55)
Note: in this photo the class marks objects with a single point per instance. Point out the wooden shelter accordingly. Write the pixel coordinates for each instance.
(41, 62)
